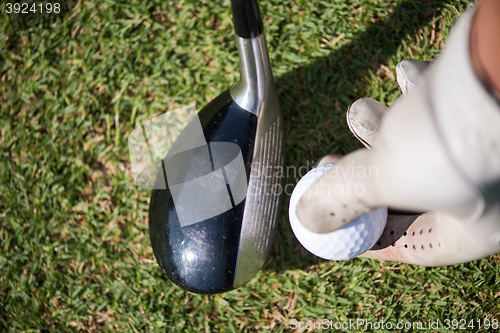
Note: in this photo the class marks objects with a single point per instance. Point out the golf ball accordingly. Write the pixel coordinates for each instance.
(345, 243)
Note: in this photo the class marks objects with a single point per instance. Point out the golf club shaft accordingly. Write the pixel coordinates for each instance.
(246, 18)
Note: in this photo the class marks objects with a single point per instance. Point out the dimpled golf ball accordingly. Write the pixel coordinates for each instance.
(342, 244)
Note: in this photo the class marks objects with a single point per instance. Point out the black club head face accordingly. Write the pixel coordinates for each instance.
(213, 225)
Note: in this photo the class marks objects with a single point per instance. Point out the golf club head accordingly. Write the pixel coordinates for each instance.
(212, 227)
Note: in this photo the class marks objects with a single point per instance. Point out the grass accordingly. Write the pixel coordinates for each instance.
(74, 247)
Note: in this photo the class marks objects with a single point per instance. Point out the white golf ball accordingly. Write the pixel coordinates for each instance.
(345, 243)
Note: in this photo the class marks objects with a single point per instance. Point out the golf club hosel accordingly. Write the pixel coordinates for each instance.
(256, 84)
(246, 18)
